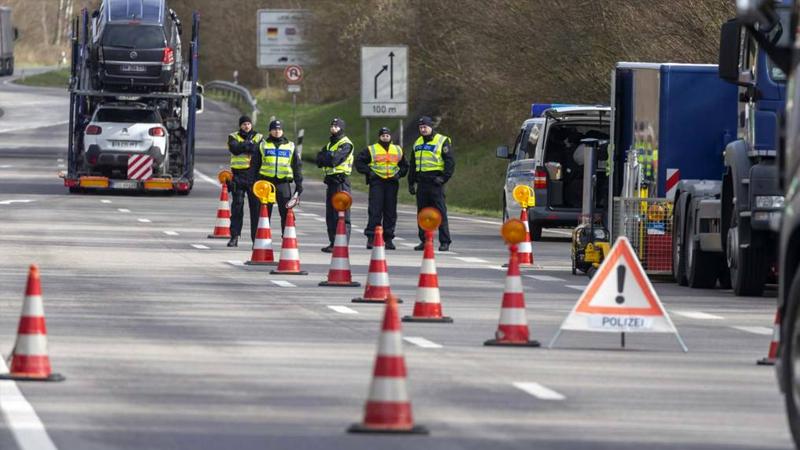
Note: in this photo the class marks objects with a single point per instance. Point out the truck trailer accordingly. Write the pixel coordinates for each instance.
(8, 34)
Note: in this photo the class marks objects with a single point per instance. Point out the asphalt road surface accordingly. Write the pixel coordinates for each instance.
(168, 341)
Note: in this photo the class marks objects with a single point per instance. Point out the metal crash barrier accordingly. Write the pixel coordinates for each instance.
(647, 223)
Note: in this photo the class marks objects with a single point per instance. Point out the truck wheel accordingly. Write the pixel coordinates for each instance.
(702, 267)
(790, 357)
(536, 231)
(678, 244)
(748, 266)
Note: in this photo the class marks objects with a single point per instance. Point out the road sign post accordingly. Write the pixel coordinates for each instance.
(384, 81)
(293, 75)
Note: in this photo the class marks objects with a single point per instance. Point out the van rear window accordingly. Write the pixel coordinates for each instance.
(143, 10)
(126, 115)
(133, 36)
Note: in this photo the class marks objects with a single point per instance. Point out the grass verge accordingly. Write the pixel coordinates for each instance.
(55, 78)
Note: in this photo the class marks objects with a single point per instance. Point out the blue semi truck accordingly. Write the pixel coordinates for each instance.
(694, 174)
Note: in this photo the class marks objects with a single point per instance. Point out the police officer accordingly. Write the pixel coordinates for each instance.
(336, 161)
(242, 145)
(431, 166)
(383, 165)
(278, 162)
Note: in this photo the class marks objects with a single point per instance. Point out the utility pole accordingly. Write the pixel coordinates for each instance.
(60, 16)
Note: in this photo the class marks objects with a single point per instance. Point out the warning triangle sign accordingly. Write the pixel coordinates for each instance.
(620, 299)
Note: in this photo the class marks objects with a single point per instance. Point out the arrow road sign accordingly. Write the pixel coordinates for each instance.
(384, 81)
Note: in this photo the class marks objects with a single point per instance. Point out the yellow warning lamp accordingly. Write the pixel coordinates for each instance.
(341, 201)
(656, 213)
(523, 194)
(265, 191)
(225, 176)
(429, 218)
(513, 231)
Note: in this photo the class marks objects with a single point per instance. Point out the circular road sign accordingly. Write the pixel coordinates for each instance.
(293, 74)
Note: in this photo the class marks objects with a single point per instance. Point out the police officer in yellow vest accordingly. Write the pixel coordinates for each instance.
(242, 145)
(278, 162)
(336, 161)
(383, 165)
(431, 166)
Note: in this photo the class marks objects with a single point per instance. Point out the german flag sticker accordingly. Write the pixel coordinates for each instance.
(272, 32)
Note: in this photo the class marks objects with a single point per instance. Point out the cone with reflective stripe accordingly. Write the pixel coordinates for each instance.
(388, 408)
(262, 247)
(513, 327)
(289, 263)
(772, 353)
(29, 359)
(525, 247)
(222, 228)
(377, 289)
(428, 307)
(339, 273)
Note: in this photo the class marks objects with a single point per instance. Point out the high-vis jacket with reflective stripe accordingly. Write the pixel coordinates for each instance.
(347, 165)
(384, 163)
(428, 155)
(242, 161)
(276, 162)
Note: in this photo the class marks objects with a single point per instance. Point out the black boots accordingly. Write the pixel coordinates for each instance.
(234, 242)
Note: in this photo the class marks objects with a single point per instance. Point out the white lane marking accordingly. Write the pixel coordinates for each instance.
(398, 238)
(544, 278)
(49, 124)
(764, 331)
(319, 219)
(144, 220)
(8, 202)
(60, 160)
(421, 342)
(563, 232)
(342, 309)
(123, 210)
(207, 178)
(22, 420)
(6, 166)
(575, 286)
(699, 315)
(62, 166)
(200, 246)
(282, 283)
(408, 244)
(170, 233)
(468, 259)
(497, 268)
(105, 201)
(539, 391)
(236, 263)
(308, 214)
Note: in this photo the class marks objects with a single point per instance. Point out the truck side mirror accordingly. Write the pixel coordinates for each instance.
(199, 103)
(502, 152)
(729, 49)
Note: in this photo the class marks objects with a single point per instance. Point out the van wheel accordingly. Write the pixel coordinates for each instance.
(536, 231)
(790, 356)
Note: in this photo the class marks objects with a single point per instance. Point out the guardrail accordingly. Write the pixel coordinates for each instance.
(233, 91)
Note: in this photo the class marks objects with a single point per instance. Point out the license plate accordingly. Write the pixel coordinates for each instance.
(125, 184)
(133, 68)
(124, 144)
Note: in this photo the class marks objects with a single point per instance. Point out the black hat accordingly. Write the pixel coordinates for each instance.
(275, 125)
(337, 122)
(244, 119)
(384, 130)
(426, 120)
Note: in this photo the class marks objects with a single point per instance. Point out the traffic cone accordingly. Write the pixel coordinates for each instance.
(29, 360)
(222, 228)
(262, 247)
(525, 247)
(772, 354)
(428, 307)
(289, 263)
(388, 409)
(339, 273)
(377, 289)
(513, 327)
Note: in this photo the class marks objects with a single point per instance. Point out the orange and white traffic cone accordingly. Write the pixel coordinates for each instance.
(289, 263)
(428, 307)
(29, 359)
(339, 273)
(388, 409)
(513, 327)
(262, 247)
(222, 228)
(525, 247)
(377, 289)
(772, 353)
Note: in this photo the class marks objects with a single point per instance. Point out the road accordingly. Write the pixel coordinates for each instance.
(167, 341)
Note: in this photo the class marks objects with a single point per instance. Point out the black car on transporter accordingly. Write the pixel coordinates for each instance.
(136, 44)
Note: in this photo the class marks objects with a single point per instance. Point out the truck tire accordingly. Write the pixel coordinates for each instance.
(748, 266)
(678, 244)
(702, 267)
(789, 355)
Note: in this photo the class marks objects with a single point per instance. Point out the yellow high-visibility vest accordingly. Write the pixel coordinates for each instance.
(276, 162)
(384, 162)
(346, 167)
(242, 161)
(428, 155)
